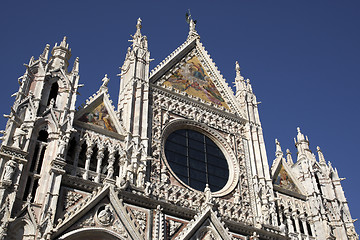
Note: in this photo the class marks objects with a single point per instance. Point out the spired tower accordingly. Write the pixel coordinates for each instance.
(182, 157)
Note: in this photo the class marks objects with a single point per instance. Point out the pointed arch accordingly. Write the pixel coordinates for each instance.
(54, 89)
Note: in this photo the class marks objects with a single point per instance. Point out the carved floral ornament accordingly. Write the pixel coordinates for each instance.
(230, 156)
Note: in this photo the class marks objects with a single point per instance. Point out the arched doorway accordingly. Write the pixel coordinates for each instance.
(91, 234)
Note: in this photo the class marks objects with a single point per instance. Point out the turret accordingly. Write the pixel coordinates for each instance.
(39, 128)
(60, 55)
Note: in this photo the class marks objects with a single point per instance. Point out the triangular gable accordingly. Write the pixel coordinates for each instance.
(89, 213)
(284, 179)
(189, 70)
(99, 115)
(195, 81)
(205, 223)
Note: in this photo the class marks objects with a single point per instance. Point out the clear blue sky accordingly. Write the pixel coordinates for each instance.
(302, 58)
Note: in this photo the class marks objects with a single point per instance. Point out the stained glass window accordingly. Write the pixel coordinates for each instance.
(196, 160)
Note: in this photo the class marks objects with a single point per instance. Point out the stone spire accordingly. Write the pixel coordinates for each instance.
(278, 152)
(288, 157)
(239, 80)
(75, 69)
(321, 156)
(44, 56)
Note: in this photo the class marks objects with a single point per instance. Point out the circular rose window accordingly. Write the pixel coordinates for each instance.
(196, 160)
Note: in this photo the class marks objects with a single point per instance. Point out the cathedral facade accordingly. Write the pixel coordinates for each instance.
(181, 156)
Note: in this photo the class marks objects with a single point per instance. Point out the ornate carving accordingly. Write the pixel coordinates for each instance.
(9, 170)
(174, 226)
(87, 221)
(119, 228)
(140, 218)
(71, 198)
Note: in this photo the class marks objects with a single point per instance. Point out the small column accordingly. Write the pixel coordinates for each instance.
(296, 220)
(89, 152)
(303, 220)
(288, 220)
(99, 158)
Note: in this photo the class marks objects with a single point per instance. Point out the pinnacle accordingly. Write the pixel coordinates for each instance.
(63, 42)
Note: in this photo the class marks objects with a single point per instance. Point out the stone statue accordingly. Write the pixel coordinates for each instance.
(18, 137)
(208, 195)
(105, 81)
(110, 171)
(140, 176)
(62, 146)
(10, 167)
(105, 216)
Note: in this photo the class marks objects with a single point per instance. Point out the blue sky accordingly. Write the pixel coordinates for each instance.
(302, 58)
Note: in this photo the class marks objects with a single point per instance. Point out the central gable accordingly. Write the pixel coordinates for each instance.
(191, 72)
(192, 78)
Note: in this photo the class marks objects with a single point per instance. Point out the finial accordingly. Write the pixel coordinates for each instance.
(76, 66)
(239, 80)
(320, 155)
(138, 25)
(300, 136)
(45, 53)
(237, 69)
(138, 28)
(237, 66)
(63, 42)
(288, 157)
(278, 152)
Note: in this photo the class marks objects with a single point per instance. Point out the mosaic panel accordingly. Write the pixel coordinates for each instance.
(283, 180)
(99, 116)
(193, 79)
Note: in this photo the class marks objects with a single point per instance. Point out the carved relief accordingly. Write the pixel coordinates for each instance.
(87, 221)
(71, 198)
(119, 228)
(141, 218)
(173, 227)
(105, 215)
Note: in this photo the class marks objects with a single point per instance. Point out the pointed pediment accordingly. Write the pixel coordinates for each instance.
(102, 211)
(283, 178)
(99, 115)
(191, 72)
(195, 81)
(205, 225)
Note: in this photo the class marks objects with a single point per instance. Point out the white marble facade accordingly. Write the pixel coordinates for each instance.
(100, 172)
